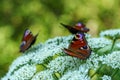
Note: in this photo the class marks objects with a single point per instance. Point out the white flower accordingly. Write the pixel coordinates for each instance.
(5, 77)
(112, 59)
(113, 33)
(62, 64)
(96, 43)
(93, 61)
(51, 48)
(19, 62)
(39, 54)
(87, 36)
(44, 75)
(84, 68)
(59, 40)
(24, 73)
(75, 75)
(58, 63)
(106, 77)
(117, 45)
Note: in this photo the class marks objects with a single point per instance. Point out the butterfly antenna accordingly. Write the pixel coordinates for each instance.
(37, 33)
(64, 25)
(67, 26)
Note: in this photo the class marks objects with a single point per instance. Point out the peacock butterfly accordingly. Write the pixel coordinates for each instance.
(27, 40)
(78, 47)
(79, 27)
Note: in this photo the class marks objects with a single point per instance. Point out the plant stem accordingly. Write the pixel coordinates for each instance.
(114, 40)
(56, 78)
(114, 73)
(44, 66)
(96, 71)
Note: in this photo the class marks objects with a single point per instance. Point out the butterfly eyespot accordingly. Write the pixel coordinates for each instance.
(27, 32)
(78, 36)
(28, 40)
(22, 44)
(84, 47)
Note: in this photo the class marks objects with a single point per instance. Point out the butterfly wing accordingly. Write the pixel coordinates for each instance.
(28, 40)
(77, 28)
(72, 53)
(27, 35)
(79, 47)
(81, 27)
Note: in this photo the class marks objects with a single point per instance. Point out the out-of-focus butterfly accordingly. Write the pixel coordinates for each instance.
(79, 27)
(27, 40)
(78, 47)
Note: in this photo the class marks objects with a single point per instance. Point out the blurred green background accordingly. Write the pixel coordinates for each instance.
(45, 16)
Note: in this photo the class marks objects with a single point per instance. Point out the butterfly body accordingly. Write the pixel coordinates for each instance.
(78, 47)
(28, 40)
(77, 28)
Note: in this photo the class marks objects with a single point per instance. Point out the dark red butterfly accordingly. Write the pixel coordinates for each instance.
(78, 47)
(80, 27)
(27, 40)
